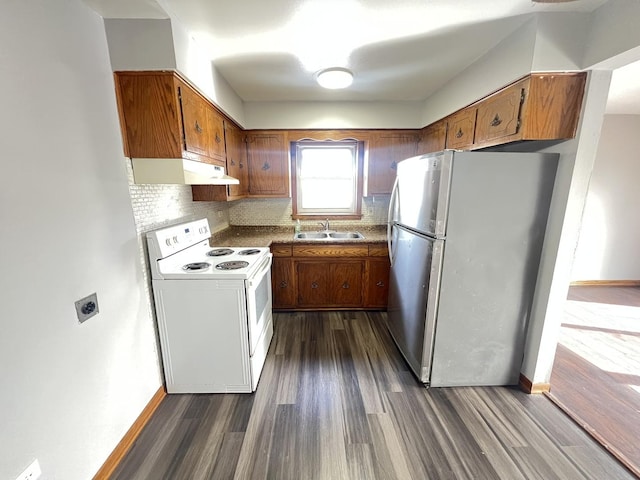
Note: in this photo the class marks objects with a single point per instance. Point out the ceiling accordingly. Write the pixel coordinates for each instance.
(400, 50)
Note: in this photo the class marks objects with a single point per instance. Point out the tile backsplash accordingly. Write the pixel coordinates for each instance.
(277, 211)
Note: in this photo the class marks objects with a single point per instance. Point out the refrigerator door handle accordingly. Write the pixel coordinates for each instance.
(391, 218)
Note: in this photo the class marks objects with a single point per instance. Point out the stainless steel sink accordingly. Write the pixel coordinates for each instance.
(345, 235)
(311, 236)
(327, 236)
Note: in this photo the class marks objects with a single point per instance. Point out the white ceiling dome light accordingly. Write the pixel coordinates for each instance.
(334, 78)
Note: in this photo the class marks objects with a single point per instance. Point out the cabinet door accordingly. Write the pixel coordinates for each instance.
(268, 159)
(377, 287)
(215, 124)
(237, 161)
(433, 138)
(346, 283)
(149, 115)
(461, 127)
(283, 283)
(499, 115)
(313, 284)
(194, 121)
(386, 149)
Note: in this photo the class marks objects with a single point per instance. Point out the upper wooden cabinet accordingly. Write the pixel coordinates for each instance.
(499, 114)
(433, 137)
(541, 106)
(268, 159)
(216, 126)
(237, 165)
(461, 128)
(164, 117)
(236, 161)
(386, 149)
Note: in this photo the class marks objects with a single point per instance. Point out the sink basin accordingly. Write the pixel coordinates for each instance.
(327, 235)
(311, 235)
(345, 235)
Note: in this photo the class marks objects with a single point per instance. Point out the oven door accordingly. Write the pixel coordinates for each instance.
(259, 316)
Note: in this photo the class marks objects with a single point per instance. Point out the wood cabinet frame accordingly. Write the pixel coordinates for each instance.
(295, 263)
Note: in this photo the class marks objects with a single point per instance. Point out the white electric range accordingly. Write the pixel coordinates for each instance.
(213, 306)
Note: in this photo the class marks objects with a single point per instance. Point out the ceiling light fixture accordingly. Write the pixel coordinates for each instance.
(334, 78)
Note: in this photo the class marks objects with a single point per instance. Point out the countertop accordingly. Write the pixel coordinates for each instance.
(235, 236)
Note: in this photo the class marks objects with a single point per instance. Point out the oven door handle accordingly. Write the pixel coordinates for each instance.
(264, 269)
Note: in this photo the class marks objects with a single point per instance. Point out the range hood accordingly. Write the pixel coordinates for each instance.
(179, 171)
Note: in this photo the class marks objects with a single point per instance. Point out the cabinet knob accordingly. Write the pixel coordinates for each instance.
(198, 127)
(496, 121)
(345, 285)
(241, 165)
(380, 284)
(394, 165)
(283, 284)
(314, 285)
(232, 162)
(266, 166)
(218, 139)
(460, 133)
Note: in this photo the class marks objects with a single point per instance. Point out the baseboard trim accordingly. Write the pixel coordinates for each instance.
(606, 283)
(533, 388)
(125, 444)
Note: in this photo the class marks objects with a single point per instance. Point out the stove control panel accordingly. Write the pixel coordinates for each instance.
(170, 240)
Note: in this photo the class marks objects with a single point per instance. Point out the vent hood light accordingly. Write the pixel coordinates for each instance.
(179, 171)
(334, 78)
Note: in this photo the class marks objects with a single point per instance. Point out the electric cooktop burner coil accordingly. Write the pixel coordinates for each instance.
(194, 267)
(234, 265)
(249, 251)
(219, 252)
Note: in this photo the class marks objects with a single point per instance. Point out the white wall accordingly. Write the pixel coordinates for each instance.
(508, 61)
(164, 44)
(613, 31)
(194, 63)
(576, 162)
(560, 41)
(140, 44)
(69, 391)
(610, 233)
(266, 115)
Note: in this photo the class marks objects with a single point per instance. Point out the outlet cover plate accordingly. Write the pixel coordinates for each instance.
(87, 307)
(32, 472)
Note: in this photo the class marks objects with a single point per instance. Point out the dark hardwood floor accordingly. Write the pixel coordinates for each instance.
(596, 373)
(336, 401)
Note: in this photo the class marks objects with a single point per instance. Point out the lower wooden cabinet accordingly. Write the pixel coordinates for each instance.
(329, 283)
(377, 282)
(283, 283)
(310, 277)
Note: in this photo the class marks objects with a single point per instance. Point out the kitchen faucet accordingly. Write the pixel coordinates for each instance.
(325, 225)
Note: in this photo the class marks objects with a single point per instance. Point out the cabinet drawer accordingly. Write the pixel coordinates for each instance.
(281, 250)
(330, 250)
(378, 250)
(499, 115)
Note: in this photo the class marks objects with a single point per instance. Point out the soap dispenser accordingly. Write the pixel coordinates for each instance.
(298, 227)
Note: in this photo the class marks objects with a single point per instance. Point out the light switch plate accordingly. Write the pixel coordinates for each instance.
(87, 307)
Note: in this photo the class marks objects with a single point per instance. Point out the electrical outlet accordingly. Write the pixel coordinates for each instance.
(87, 307)
(32, 472)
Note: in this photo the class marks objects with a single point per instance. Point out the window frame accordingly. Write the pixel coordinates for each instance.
(356, 214)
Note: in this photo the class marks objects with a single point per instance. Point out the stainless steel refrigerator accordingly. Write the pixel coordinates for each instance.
(465, 238)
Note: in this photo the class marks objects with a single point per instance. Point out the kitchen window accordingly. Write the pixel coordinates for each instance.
(327, 180)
